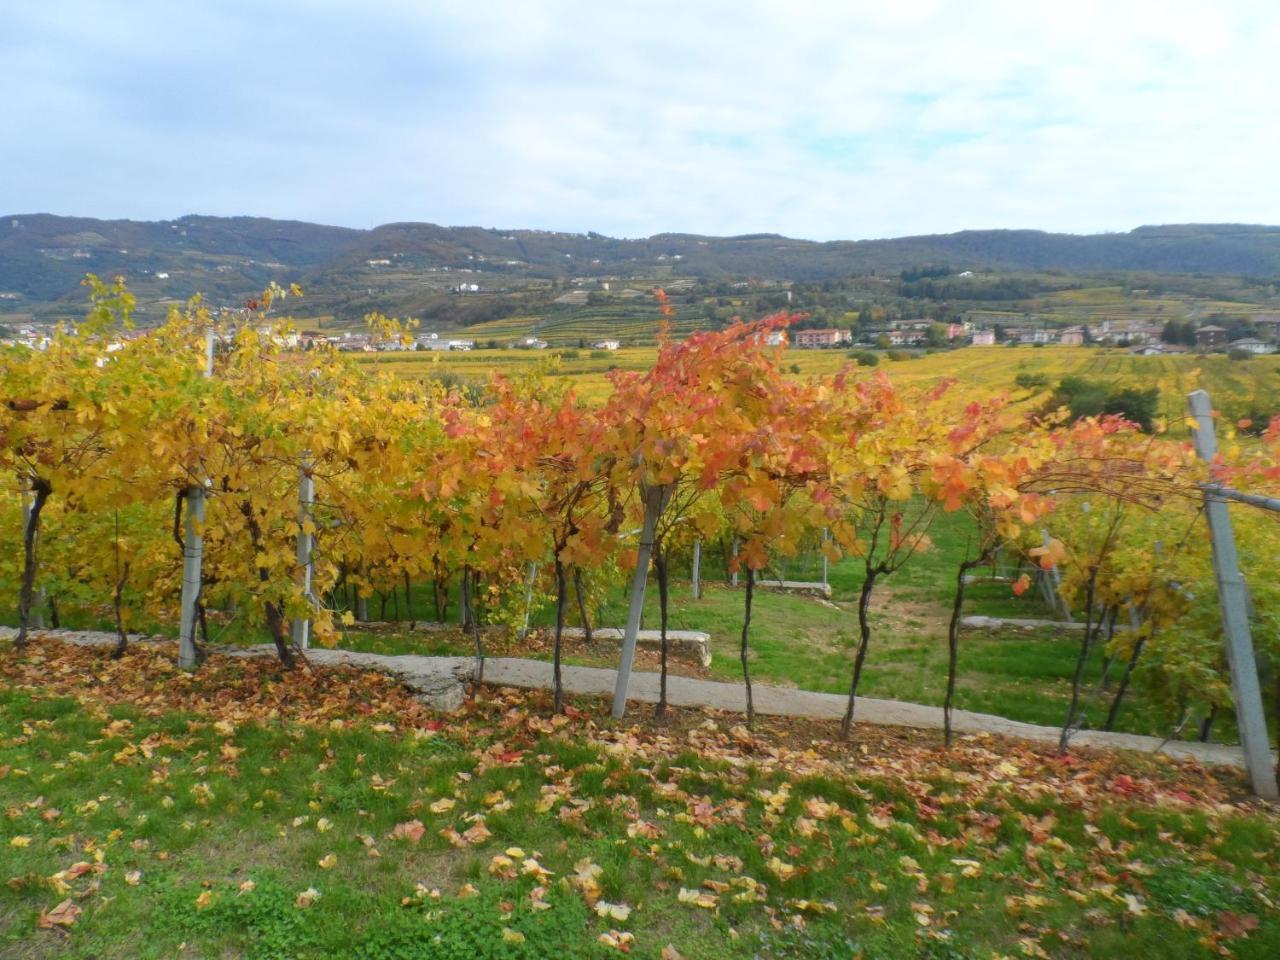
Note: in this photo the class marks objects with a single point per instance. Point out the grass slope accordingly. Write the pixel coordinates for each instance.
(244, 812)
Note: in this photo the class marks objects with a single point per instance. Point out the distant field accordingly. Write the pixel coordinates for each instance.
(1237, 387)
(619, 321)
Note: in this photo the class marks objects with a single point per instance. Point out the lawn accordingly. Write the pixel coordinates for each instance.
(248, 812)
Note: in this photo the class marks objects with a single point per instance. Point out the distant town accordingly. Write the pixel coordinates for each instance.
(1138, 337)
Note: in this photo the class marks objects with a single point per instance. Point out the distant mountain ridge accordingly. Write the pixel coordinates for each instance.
(43, 257)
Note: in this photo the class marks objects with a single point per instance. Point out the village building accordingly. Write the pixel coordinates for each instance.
(1251, 345)
(1211, 337)
(815, 339)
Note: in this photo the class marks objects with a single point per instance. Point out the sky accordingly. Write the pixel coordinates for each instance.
(838, 120)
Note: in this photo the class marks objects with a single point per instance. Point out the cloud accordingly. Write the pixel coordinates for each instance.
(823, 120)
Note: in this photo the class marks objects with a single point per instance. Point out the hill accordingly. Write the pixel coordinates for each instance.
(44, 257)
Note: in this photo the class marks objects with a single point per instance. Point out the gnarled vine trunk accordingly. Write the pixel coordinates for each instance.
(953, 639)
(1086, 645)
(1114, 712)
(864, 641)
(41, 489)
(271, 609)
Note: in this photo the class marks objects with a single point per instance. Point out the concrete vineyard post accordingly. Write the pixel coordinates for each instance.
(193, 551)
(826, 565)
(1051, 581)
(192, 562)
(696, 577)
(528, 598)
(300, 628)
(1233, 601)
(654, 502)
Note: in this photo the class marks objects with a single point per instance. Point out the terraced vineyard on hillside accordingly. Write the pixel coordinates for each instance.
(626, 322)
(1238, 387)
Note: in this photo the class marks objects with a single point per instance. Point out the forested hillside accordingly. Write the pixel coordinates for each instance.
(43, 258)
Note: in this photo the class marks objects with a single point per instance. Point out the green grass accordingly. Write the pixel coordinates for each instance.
(222, 824)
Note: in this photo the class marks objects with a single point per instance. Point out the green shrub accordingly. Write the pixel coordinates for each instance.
(865, 358)
(1089, 398)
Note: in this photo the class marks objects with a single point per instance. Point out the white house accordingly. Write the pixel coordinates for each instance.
(1252, 345)
(606, 345)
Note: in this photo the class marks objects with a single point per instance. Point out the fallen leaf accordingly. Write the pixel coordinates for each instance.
(708, 901)
(617, 939)
(612, 911)
(411, 830)
(1232, 925)
(63, 915)
(306, 898)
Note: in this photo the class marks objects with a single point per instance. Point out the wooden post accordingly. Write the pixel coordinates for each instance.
(655, 501)
(697, 570)
(193, 551)
(1232, 600)
(300, 627)
(733, 580)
